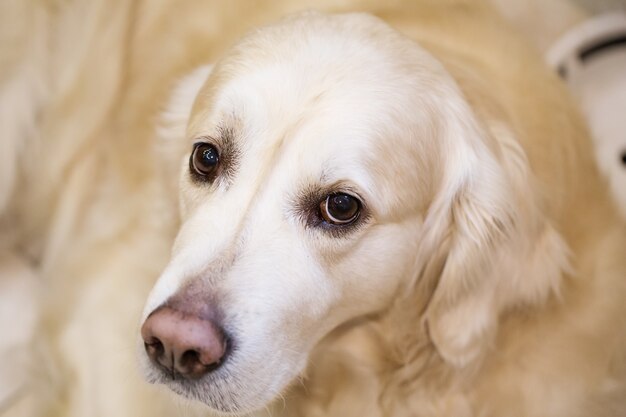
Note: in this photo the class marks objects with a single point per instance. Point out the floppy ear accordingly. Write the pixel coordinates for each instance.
(172, 125)
(486, 245)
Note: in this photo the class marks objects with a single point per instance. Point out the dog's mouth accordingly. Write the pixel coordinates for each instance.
(214, 390)
(244, 381)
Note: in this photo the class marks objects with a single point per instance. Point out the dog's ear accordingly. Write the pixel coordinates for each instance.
(172, 125)
(486, 245)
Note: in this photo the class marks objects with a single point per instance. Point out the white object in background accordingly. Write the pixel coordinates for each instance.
(591, 57)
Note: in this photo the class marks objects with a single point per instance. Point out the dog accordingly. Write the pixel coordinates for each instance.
(379, 216)
(340, 176)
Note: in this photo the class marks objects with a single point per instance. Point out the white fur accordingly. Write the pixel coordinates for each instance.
(304, 117)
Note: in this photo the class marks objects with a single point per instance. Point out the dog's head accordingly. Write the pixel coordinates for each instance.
(330, 165)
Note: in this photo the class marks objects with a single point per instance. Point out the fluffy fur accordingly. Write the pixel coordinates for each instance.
(485, 277)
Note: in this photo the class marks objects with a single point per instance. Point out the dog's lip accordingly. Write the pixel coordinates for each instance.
(219, 401)
(216, 403)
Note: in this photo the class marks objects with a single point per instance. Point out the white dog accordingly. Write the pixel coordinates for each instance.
(394, 216)
(339, 176)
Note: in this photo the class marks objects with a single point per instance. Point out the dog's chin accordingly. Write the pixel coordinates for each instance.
(226, 391)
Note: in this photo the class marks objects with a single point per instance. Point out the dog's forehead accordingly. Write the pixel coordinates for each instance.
(329, 101)
(353, 61)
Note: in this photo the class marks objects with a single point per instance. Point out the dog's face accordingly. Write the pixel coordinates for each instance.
(314, 152)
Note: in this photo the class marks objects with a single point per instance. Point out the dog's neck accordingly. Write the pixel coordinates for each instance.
(385, 360)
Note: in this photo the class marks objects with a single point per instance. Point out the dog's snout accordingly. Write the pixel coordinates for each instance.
(183, 344)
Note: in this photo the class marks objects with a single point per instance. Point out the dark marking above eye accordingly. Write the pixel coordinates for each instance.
(623, 157)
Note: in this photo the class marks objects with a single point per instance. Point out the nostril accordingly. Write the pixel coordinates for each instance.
(154, 348)
(190, 357)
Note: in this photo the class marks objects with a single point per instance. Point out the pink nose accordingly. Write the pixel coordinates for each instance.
(183, 344)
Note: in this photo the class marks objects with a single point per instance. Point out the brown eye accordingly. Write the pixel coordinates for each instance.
(340, 209)
(204, 160)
